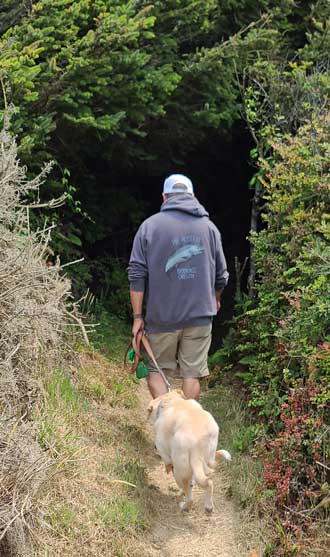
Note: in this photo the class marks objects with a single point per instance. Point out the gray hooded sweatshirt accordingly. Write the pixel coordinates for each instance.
(178, 261)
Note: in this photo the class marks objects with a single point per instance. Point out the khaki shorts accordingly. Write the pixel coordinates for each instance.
(183, 352)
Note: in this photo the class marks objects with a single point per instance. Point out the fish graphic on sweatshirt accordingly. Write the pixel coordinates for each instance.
(183, 254)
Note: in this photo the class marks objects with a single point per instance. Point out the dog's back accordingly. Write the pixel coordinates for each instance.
(194, 441)
(187, 438)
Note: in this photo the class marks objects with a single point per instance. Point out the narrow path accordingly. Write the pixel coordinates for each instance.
(193, 534)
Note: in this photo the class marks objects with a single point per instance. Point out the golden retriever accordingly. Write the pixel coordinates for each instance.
(186, 439)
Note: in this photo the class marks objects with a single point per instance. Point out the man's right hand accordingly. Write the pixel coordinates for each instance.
(138, 325)
(218, 298)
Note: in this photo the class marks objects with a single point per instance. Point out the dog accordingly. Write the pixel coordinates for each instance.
(187, 439)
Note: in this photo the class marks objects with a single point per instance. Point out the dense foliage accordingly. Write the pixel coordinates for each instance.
(107, 88)
(280, 345)
(289, 327)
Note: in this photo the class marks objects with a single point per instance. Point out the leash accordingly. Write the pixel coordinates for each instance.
(136, 341)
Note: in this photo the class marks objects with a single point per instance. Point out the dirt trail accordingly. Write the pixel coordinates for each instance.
(193, 534)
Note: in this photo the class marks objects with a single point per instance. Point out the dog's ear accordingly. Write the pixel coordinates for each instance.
(154, 407)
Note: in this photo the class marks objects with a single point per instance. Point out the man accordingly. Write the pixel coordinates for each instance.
(177, 262)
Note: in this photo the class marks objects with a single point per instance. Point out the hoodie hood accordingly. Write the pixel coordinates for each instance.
(186, 204)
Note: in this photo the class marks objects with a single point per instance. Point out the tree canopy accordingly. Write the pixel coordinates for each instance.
(108, 87)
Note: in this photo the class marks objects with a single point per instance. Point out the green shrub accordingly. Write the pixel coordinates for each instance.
(111, 286)
(285, 335)
(279, 346)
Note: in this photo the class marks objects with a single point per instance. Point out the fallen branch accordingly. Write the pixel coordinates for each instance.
(80, 323)
(122, 482)
(323, 465)
(52, 204)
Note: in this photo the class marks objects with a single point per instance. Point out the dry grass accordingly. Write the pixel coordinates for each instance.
(97, 501)
(33, 311)
(236, 434)
(71, 477)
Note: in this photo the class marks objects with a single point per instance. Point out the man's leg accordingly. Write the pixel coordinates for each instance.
(164, 347)
(191, 387)
(194, 344)
(156, 384)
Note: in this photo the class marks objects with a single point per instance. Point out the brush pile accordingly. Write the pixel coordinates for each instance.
(33, 316)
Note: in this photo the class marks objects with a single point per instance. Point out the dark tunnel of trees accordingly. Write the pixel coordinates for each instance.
(220, 170)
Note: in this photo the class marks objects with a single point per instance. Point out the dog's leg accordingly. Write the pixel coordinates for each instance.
(208, 501)
(187, 489)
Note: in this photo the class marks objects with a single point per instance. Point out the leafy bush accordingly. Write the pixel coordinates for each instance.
(285, 336)
(279, 346)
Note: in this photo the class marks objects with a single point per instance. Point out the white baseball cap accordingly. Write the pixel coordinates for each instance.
(172, 184)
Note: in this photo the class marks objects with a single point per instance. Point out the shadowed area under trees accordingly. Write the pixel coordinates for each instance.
(236, 95)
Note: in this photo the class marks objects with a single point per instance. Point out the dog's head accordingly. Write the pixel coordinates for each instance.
(163, 401)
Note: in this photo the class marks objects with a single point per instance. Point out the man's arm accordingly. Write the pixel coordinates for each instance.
(137, 303)
(221, 273)
(218, 298)
(137, 276)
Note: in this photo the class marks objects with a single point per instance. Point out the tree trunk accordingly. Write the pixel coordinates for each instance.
(239, 270)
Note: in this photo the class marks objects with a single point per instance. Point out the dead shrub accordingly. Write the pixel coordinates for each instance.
(33, 318)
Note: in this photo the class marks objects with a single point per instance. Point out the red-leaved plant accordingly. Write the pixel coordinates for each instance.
(295, 462)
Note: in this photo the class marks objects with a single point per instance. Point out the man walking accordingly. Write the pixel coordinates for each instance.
(177, 264)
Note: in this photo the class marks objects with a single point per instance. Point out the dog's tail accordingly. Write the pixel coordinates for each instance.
(222, 454)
